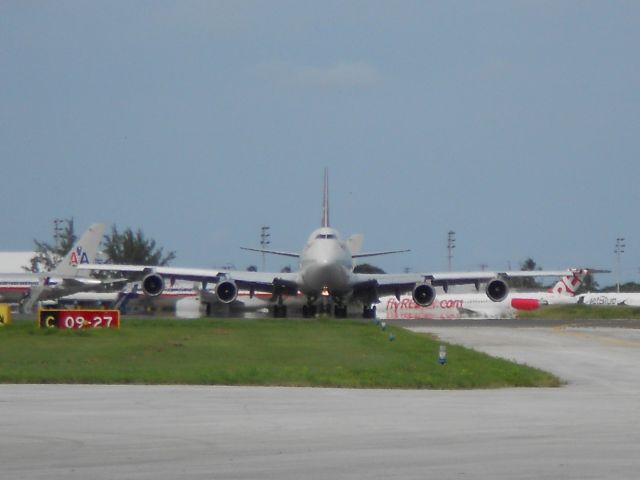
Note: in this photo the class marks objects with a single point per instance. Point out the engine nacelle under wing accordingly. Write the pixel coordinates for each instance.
(423, 294)
(227, 291)
(497, 290)
(153, 285)
(525, 303)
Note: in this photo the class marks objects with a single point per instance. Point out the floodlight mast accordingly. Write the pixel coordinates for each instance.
(264, 242)
(451, 240)
(619, 250)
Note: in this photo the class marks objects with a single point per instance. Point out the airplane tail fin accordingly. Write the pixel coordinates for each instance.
(568, 284)
(354, 242)
(84, 251)
(325, 200)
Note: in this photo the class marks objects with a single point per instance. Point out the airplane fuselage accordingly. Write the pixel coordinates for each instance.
(326, 264)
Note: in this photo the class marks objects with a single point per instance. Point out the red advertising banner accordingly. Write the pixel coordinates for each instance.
(78, 319)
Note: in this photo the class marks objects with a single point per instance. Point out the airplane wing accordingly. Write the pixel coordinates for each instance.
(85, 282)
(459, 278)
(397, 284)
(272, 252)
(268, 282)
(265, 281)
(469, 278)
(192, 274)
(375, 254)
(364, 287)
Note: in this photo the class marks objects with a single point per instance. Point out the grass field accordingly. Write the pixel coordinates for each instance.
(583, 312)
(320, 353)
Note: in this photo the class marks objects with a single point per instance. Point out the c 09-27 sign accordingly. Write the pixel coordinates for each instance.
(78, 319)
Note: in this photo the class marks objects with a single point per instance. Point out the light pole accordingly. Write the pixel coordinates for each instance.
(57, 230)
(451, 240)
(618, 251)
(264, 241)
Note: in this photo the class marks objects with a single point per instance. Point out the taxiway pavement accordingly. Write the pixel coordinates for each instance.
(588, 429)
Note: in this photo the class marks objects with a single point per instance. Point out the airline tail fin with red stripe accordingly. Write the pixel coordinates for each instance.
(568, 284)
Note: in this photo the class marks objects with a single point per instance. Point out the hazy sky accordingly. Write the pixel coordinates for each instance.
(515, 124)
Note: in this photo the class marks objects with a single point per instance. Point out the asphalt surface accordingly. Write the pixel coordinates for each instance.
(588, 429)
(518, 322)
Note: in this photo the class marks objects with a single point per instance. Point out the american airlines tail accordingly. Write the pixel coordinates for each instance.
(84, 251)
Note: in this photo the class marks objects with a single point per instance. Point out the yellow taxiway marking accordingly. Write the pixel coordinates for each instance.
(600, 338)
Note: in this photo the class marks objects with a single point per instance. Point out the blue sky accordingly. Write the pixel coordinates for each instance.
(515, 124)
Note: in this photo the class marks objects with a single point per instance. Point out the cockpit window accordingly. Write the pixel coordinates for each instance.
(325, 236)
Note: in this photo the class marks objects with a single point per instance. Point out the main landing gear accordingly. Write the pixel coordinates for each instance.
(340, 311)
(309, 310)
(369, 312)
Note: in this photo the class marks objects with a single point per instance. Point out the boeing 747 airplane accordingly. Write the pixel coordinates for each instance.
(325, 273)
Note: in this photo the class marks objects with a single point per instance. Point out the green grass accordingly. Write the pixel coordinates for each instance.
(320, 353)
(577, 311)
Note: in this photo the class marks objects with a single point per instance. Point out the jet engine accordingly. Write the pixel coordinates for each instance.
(497, 290)
(423, 294)
(153, 284)
(227, 291)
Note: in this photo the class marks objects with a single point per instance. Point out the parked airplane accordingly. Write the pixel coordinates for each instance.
(29, 288)
(325, 273)
(475, 305)
(179, 297)
(631, 299)
(131, 299)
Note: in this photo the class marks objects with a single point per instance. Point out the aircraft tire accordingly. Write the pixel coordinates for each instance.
(340, 311)
(279, 311)
(369, 312)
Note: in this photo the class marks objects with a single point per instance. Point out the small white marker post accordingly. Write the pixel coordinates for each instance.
(442, 355)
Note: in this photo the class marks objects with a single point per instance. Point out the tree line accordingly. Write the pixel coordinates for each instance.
(118, 247)
(133, 248)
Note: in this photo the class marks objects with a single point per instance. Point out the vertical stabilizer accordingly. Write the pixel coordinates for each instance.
(325, 200)
(354, 242)
(84, 251)
(568, 285)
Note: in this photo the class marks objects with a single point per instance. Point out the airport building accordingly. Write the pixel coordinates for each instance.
(13, 262)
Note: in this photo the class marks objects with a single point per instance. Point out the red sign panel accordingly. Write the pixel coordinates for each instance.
(78, 319)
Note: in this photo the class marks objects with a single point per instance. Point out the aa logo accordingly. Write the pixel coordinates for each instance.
(78, 256)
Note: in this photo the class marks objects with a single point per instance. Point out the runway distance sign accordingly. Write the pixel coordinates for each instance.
(78, 319)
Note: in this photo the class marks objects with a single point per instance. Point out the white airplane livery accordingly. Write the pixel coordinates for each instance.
(631, 299)
(325, 276)
(29, 288)
(475, 305)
